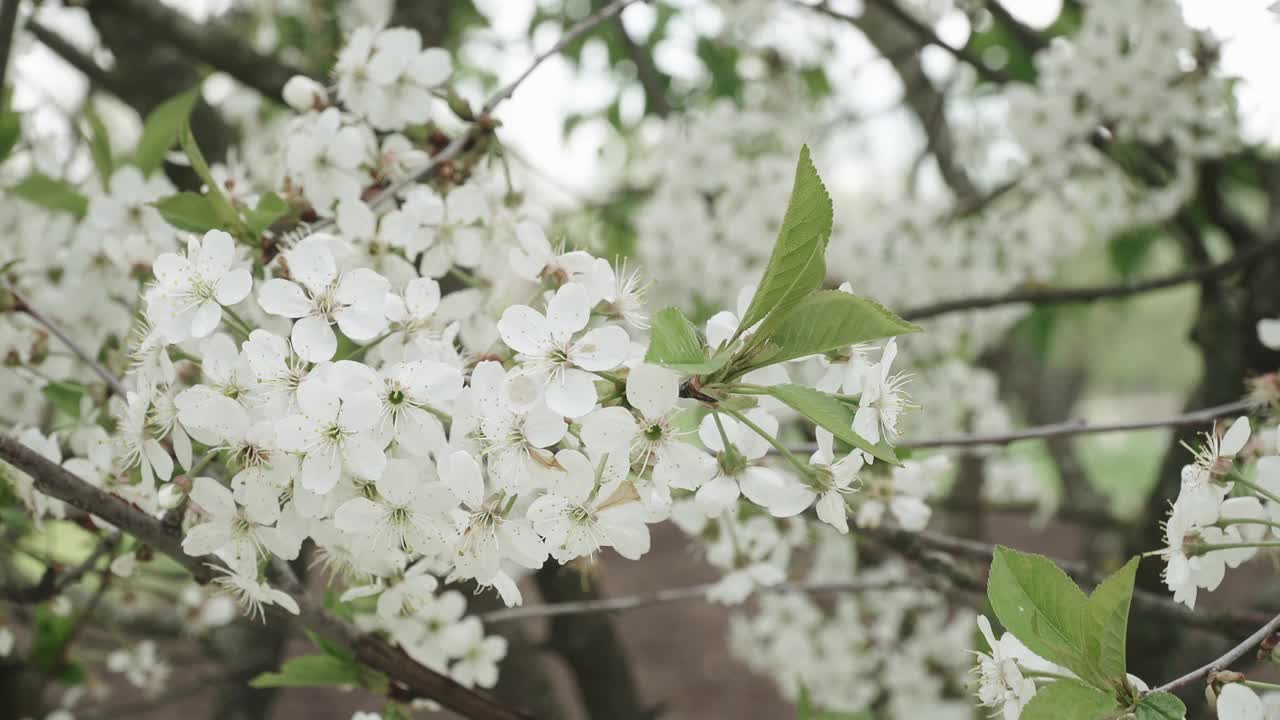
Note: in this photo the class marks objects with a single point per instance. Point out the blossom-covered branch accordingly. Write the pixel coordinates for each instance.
(57, 482)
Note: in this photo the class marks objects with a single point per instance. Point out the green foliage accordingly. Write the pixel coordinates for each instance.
(189, 211)
(827, 320)
(99, 146)
(1045, 610)
(674, 343)
(1109, 614)
(270, 208)
(51, 194)
(721, 61)
(160, 130)
(1129, 250)
(65, 396)
(796, 267)
(1069, 700)
(48, 655)
(1160, 706)
(10, 131)
(833, 414)
(322, 671)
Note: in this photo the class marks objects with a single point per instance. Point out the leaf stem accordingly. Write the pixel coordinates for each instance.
(805, 471)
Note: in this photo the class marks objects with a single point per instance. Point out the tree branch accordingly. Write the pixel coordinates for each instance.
(1056, 296)
(1227, 658)
(52, 584)
(211, 43)
(670, 595)
(21, 304)
(57, 482)
(484, 121)
(1063, 429)
(87, 66)
(939, 553)
(920, 29)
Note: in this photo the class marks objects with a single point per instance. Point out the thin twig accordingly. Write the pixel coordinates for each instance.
(213, 43)
(1058, 296)
(923, 31)
(484, 121)
(52, 584)
(1063, 429)
(938, 553)
(669, 595)
(1227, 658)
(98, 368)
(96, 74)
(583, 27)
(57, 482)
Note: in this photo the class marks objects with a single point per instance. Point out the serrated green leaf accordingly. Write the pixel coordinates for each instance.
(189, 211)
(99, 146)
(1043, 608)
(65, 396)
(796, 267)
(1109, 612)
(52, 194)
(160, 130)
(270, 208)
(674, 343)
(1069, 700)
(1160, 706)
(319, 671)
(824, 321)
(829, 412)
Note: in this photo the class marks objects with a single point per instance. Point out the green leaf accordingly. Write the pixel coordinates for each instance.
(99, 146)
(1130, 249)
(65, 396)
(1069, 700)
(796, 267)
(270, 208)
(189, 211)
(160, 130)
(1160, 706)
(221, 205)
(828, 411)
(330, 648)
(52, 194)
(319, 671)
(1043, 608)
(1109, 613)
(49, 637)
(10, 132)
(674, 343)
(827, 320)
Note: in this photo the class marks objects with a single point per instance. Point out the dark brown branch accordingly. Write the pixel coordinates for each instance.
(926, 102)
(53, 584)
(1058, 296)
(214, 44)
(921, 30)
(55, 481)
(97, 75)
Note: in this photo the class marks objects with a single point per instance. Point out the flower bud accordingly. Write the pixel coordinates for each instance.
(171, 494)
(302, 94)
